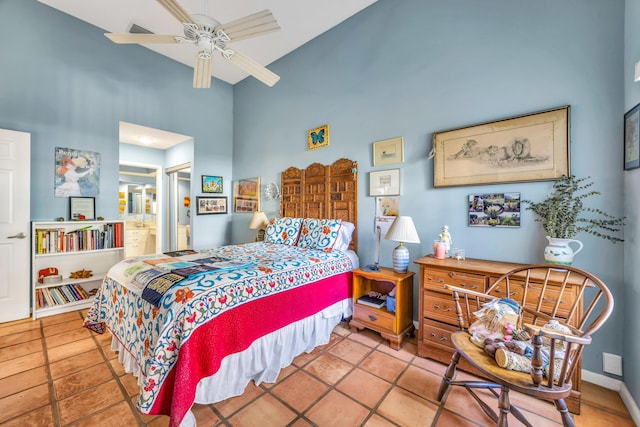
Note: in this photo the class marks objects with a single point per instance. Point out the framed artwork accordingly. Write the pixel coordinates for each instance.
(531, 147)
(494, 210)
(211, 184)
(77, 173)
(388, 151)
(207, 205)
(82, 208)
(384, 183)
(632, 138)
(246, 195)
(318, 137)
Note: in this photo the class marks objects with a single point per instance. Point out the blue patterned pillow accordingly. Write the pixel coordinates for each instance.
(283, 230)
(328, 234)
(309, 233)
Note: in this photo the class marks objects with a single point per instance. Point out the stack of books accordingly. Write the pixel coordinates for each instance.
(371, 301)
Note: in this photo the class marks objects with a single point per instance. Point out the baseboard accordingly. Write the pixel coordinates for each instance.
(615, 385)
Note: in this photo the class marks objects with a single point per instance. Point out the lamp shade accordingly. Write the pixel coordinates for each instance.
(402, 230)
(258, 221)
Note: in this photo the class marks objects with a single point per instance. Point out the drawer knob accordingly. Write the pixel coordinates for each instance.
(464, 285)
(440, 339)
(431, 279)
(437, 307)
(372, 318)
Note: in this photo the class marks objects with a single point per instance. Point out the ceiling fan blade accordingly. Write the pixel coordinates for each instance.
(140, 38)
(177, 11)
(202, 72)
(252, 67)
(250, 26)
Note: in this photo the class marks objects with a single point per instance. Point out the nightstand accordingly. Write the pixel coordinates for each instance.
(392, 326)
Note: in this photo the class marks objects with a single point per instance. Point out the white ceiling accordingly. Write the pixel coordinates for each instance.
(301, 21)
(149, 137)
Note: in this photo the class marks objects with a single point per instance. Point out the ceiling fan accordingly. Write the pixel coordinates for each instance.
(209, 36)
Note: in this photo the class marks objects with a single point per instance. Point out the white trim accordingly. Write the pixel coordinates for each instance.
(615, 385)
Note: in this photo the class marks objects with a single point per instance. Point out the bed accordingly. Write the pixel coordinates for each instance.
(198, 326)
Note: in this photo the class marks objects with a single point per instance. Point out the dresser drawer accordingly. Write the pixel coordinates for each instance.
(439, 307)
(436, 279)
(377, 318)
(516, 292)
(437, 334)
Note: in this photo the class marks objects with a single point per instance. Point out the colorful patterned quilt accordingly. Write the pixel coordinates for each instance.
(212, 313)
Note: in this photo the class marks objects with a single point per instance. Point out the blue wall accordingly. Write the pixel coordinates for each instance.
(411, 68)
(69, 86)
(631, 288)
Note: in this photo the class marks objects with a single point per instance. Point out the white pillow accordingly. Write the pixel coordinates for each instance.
(344, 236)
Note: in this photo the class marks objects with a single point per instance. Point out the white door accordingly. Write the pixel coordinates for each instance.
(15, 178)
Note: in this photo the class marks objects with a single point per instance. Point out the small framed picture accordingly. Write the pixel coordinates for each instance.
(388, 152)
(211, 184)
(318, 137)
(384, 183)
(494, 210)
(82, 208)
(207, 205)
(632, 138)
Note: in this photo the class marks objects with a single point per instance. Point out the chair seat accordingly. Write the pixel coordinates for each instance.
(486, 364)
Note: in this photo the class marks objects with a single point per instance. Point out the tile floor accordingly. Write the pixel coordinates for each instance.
(53, 372)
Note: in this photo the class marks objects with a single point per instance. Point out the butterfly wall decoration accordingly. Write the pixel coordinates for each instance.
(318, 137)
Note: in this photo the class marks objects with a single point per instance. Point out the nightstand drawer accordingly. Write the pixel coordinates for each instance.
(374, 317)
(436, 279)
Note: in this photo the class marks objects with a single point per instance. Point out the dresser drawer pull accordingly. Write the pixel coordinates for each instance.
(431, 279)
(464, 285)
(440, 339)
(372, 318)
(437, 307)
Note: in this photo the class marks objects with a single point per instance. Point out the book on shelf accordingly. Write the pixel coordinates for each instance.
(371, 301)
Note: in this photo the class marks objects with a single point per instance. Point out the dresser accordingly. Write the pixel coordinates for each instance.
(436, 312)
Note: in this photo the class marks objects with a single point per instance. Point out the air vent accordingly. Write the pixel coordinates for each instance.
(137, 29)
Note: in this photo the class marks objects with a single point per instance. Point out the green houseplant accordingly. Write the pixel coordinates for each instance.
(563, 215)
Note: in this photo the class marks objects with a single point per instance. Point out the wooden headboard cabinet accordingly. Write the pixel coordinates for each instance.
(322, 192)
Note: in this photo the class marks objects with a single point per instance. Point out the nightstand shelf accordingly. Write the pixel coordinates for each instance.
(393, 326)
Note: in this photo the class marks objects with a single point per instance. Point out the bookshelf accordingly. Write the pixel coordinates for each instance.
(72, 247)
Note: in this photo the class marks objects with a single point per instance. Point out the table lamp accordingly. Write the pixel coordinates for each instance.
(259, 221)
(402, 230)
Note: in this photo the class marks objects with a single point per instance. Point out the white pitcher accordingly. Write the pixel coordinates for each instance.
(558, 250)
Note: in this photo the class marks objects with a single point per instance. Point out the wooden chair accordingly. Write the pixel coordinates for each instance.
(543, 292)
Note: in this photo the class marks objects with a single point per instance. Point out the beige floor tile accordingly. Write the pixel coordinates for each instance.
(266, 411)
(407, 409)
(42, 417)
(22, 349)
(366, 337)
(364, 387)
(130, 383)
(377, 421)
(350, 351)
(300, 423)
(70, 349)
(328, 368)
(204, 415)
(23, 381)
(336, 409)
(23, 402)
(117, 367)
(21, 364)
(119, 414)
(429, 365)
(82, 380)
(20, 337)
(407, 352)
(383, 365)
(89, 401)
(423, 383)
(300, 390)
(67, 337)
(448, 419)
(284, 374)
(76, 363)
(305, 358)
